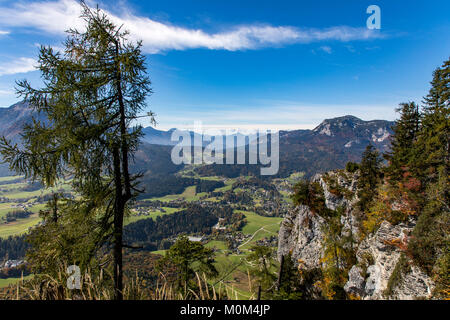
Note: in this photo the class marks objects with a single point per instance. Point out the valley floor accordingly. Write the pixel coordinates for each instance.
(231, 246)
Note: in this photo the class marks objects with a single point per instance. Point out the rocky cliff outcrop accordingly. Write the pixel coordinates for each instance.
(382, 269)
(301, 234)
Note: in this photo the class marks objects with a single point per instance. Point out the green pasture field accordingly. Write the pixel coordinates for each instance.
(8, 281)
(19, 227)
(152, 215)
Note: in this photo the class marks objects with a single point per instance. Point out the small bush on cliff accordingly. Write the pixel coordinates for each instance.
(390, 203)
(351, 167)
(310, 194)
(339, 257)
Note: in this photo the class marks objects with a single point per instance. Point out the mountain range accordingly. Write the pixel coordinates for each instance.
(329, 146)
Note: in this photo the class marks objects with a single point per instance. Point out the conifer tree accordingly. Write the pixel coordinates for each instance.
(429, 245)
(261, 258)
(92, 94)
(370, 170)
(403, 140)
(289, 281)
(433, 147)
(188, 258)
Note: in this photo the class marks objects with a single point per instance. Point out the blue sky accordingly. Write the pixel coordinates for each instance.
(253, 64)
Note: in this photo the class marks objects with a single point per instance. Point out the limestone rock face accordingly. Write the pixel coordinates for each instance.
(348, 183)
(356, 283)
(301, 234)
(415, 284)
(376, 274)
(380, 254)
(302, 230)
(333, 201)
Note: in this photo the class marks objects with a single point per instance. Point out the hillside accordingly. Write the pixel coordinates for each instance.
(13, 119)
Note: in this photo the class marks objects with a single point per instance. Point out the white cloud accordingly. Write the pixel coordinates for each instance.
(20, 65)
(3, 33)
(49, 16)
(57, 16)
(326, 49)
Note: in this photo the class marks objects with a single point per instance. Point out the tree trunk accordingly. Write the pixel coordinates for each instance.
(55, 208)
(118, 228)
(123, 191)
(118, 272)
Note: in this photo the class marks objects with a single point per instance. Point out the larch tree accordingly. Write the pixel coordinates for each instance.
(92, 95)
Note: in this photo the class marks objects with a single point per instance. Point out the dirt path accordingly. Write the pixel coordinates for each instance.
(253, 235)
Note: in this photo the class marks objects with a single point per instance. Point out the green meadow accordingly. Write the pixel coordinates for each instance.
(151, 215)
(19, 226)
(8, 281)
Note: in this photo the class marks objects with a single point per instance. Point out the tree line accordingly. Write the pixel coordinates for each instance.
(159, 186)
(149, 233)
(13, 248)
